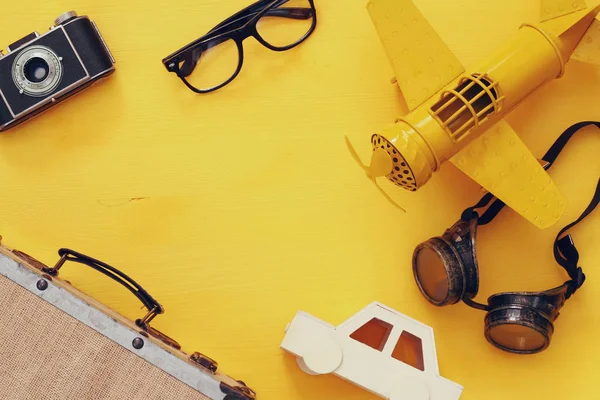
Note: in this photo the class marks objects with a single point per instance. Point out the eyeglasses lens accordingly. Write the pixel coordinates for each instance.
(431, 274)
(216, 63)
(517, 337)
(287, 23)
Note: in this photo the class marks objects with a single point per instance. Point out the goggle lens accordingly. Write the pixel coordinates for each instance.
(516, 337)
(431, 274)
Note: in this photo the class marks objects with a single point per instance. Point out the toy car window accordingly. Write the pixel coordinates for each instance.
(374, 333)
(409, 350)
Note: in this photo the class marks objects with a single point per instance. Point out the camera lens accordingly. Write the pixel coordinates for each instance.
(36, 69)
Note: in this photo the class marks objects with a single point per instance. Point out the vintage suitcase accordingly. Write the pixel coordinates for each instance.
(58, 344)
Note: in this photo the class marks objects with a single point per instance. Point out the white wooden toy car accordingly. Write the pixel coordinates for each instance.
(379, 349)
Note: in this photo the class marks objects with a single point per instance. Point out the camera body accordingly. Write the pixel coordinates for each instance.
(40, 71)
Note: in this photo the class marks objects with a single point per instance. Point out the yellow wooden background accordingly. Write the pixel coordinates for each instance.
(238, 208)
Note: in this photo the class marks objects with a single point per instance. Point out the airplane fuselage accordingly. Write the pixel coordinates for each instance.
(471, 104)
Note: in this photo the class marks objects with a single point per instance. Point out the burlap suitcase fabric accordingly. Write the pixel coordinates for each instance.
(45, 354)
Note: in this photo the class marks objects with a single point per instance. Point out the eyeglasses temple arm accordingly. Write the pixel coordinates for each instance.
(252, 9)
(240, 19)
(291, 12)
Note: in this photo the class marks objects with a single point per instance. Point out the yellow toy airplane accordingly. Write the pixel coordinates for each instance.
(457, 115)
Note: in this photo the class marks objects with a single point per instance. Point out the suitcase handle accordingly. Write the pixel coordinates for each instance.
(153, 306)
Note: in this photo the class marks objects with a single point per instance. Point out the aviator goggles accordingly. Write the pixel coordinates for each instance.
(446, 271)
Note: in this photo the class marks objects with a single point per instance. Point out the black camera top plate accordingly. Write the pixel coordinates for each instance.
(14, 46)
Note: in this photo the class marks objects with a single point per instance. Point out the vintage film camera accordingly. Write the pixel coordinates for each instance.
(40, 71)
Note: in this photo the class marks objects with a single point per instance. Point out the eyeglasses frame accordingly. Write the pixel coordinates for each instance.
(238, 33)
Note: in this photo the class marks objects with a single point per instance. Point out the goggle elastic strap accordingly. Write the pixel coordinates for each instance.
(565, 252)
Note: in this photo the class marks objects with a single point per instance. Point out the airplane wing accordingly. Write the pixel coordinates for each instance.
(422, 62)
(504, 166)
(557, 8)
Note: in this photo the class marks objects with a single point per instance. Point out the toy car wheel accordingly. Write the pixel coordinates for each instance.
(413, 389)
(303, 367)
(322, 355)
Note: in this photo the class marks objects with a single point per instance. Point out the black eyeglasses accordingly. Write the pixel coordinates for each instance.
(214, 60)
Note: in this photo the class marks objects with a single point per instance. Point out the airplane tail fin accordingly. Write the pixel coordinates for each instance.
(588, 49)
(578, 33)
